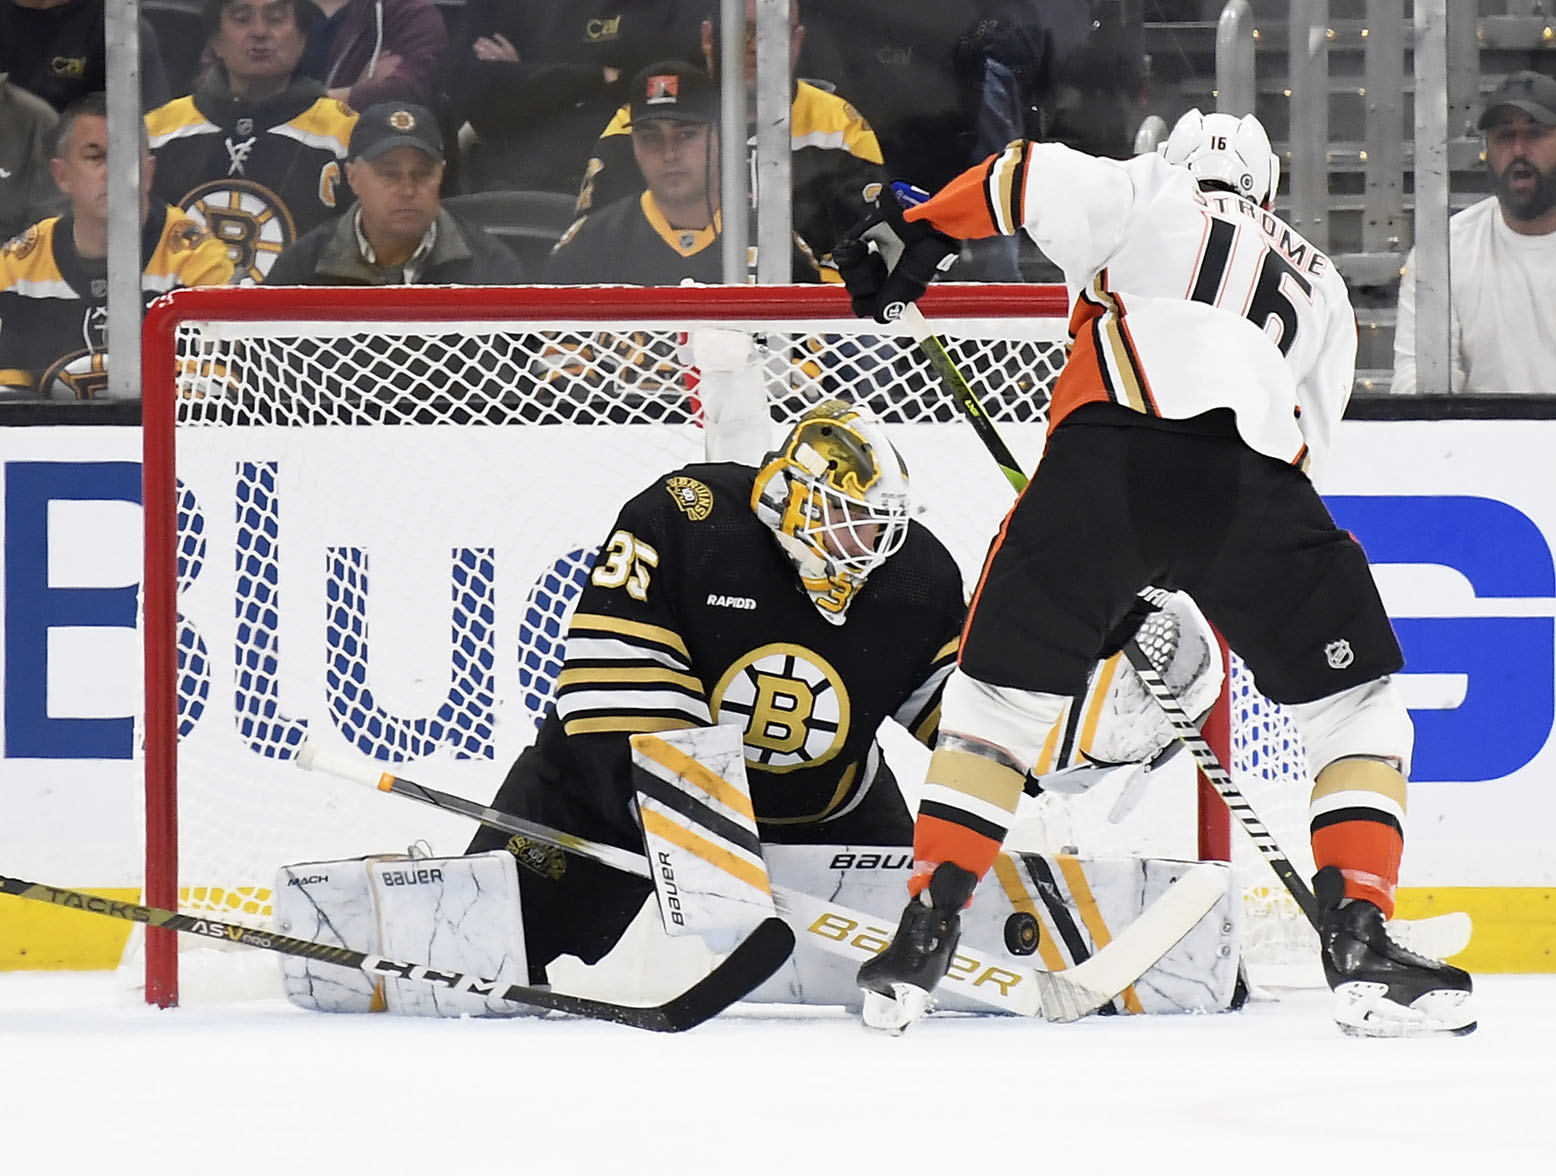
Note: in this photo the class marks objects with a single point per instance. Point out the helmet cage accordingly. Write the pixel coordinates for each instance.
(836, 496)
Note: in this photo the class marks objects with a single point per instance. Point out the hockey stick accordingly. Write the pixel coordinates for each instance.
(753, 961)
(1440, 936)
(1055, 996)
(1209, 763)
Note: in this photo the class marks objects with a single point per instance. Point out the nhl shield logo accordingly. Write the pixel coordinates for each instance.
(1339, 654)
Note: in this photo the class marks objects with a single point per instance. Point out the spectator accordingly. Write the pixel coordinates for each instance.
(397, 233)
(55, 49)
(1502, 255)
(54, 276)
(536, 82)
(372, 51)
(835, 157)
(27, 191)
(255, 153)
(667, 233)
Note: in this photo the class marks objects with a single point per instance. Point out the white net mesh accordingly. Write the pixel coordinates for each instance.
(381, 529)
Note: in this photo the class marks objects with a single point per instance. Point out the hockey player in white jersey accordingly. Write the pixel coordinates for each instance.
(1213, 355)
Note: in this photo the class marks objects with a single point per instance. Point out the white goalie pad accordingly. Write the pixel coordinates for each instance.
(699, 832)
(1045, 911)
(1117, 721)
(456, 914)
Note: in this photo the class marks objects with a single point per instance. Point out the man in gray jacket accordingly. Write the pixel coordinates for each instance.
(397, 233)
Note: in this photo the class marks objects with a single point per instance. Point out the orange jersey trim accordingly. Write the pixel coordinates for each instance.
(986, 200)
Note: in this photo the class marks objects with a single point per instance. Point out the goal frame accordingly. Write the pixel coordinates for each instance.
(527, 306)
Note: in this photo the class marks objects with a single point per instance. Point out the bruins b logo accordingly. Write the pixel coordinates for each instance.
(248, 218)
(793, 703)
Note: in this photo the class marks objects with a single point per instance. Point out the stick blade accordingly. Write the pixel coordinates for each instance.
(1075, 992)
(753, 961)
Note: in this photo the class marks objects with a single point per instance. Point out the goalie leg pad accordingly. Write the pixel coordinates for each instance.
(456, 914)
(1044, 911)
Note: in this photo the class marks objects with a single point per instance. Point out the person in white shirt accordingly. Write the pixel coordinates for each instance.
(1501, 257)
(1213, 353)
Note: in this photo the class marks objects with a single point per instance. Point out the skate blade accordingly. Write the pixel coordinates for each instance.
(1363, 1009)
(892, 1014)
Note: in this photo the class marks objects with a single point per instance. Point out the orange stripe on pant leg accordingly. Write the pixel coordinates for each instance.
(1367, 853)
(936, 840)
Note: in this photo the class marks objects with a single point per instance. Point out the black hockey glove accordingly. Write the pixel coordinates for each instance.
(887, 262)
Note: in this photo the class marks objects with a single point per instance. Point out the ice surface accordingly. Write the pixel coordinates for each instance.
(94, 1086)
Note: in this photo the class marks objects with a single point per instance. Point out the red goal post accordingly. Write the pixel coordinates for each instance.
(367, 509)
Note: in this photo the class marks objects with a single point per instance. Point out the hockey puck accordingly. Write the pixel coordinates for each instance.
(1021, 933)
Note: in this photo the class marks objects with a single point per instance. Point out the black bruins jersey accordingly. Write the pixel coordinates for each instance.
(258, 175)
(693, 615)
(54, 303)
(835, 167)
(631, 243)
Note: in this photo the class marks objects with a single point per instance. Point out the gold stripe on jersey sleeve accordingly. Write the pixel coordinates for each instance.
(1004, 185)
(596, 675)
(173, 116)
(695, 773)
(1123, 372)
(621, 627)
(1010, 880)
(626, 724)
(328, 118)
(1096, 926)
(714, 855)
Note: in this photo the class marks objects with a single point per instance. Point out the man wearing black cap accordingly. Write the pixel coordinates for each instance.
(397, 233)
(669, 232)
(1502, 256)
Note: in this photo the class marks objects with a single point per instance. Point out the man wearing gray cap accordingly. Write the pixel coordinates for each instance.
(397, 233)
(1502, 256)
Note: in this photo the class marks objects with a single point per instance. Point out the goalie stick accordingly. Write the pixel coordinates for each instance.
(1440, 936)
(756, 958)
(1055, 996)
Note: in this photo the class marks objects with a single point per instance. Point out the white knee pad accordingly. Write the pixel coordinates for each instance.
(1368, 720)
(1015, 721)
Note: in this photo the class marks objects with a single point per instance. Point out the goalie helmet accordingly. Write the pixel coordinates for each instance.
(1222, 149)
(835, 494)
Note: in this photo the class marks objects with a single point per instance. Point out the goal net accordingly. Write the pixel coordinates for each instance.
(369, 511)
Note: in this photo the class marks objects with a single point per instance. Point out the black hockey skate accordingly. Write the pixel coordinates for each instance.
(1381, 989)
(897, 983)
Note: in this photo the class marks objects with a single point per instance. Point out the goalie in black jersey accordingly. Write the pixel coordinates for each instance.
(796, 601)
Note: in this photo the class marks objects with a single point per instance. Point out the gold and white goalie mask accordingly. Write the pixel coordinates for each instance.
(835, 494)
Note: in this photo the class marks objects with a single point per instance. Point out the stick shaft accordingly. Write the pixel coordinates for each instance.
(1204, 755)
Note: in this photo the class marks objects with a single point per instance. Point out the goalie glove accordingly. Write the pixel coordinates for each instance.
(887, 261)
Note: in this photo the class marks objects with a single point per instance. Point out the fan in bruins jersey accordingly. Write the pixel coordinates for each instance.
(54, 276)
(255, 153)
(668, 233)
